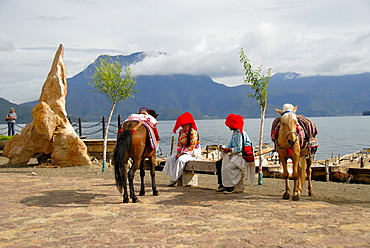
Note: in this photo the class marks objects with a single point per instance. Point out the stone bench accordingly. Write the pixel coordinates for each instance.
(189, 176)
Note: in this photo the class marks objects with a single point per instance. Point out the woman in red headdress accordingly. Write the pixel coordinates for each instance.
(188, 147)
(232, 166)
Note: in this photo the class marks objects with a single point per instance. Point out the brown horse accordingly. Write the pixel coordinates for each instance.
(288, 145)
(133, 143)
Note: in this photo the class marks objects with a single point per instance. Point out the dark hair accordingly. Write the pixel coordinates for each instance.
(189, 135)
(152, 113)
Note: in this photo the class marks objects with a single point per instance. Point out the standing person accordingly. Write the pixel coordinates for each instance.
(188, 147)
(232, 166)
(10, 118)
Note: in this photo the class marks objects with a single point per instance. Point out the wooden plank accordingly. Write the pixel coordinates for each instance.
(96, 145)
(360, 175)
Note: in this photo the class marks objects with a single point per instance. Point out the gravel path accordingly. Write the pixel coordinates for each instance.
(330, 192)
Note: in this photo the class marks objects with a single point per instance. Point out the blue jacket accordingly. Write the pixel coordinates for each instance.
(236, 141)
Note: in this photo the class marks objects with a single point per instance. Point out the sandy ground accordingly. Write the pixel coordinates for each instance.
(331, 192)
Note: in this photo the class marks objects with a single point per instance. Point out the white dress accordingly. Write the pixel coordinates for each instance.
(233, 168)
(174, 168)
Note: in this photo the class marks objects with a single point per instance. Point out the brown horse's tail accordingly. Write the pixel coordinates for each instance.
(122, 147)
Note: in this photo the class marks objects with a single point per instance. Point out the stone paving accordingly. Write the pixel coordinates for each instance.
(39, 211)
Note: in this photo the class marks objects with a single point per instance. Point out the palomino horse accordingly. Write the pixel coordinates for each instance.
(133, 143)
(292, 143)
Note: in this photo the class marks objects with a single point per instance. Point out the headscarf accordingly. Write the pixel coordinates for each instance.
(185, 118)
(235, 122)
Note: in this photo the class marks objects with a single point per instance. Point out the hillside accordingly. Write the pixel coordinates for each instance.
(171, 95)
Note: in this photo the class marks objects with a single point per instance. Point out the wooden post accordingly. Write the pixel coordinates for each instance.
(79, 127)
(338, 158)
(103, 126)
(362, 164)
(327, 170)
(119, 121)
(172, 142)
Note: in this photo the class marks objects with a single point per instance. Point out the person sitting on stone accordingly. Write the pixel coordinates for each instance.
(232, 167)
(188, 147)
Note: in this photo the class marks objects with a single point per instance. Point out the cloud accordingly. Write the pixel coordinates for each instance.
(6, 46)
(197, 37)
(215, 62)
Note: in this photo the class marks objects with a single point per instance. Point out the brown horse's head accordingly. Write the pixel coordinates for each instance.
(288, 125)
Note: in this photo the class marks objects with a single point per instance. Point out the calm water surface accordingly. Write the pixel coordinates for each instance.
(337, 135)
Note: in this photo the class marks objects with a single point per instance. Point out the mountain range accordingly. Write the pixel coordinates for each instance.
(171, 95)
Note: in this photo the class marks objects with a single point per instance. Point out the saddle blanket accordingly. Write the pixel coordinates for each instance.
(306, 130)
(153, 140)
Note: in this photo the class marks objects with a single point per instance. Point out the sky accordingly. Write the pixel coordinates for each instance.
(202, 37)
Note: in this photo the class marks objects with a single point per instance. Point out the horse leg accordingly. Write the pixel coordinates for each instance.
(152, 174)
(296, 178)
(286, 195)
(131, 175)
(309, 175)
(124, 180)
(302, 173)
(142, 177)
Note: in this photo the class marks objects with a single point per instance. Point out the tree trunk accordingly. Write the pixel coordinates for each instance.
(104, 165)
(260, 173)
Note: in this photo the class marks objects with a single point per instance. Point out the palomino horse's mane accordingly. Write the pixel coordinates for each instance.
(288, 117)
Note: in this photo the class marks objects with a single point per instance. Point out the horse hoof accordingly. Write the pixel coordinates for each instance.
(134, 200)
(142, 193)
(295, 198)
(286, 196)
(310, 194)
(155, 193)
(125, 200)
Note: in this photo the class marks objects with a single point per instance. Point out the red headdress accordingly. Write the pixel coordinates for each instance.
(235, 121)
(185, 118)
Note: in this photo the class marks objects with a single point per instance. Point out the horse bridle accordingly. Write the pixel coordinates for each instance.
(286, 137)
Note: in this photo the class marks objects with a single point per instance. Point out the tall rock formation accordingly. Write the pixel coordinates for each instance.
(50, 132)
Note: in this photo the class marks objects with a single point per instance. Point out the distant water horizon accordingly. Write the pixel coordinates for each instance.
(337, 136)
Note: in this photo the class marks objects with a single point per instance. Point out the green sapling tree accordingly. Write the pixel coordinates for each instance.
(108, 81)
(259, 83)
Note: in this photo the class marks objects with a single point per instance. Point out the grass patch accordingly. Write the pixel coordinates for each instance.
(2, 137)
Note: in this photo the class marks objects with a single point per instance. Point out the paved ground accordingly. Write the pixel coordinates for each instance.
(44, 211)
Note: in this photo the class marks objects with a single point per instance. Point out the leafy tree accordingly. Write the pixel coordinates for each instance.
(108, 81)
(259, 83)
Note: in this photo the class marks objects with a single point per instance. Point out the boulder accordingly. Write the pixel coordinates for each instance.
(50, 133)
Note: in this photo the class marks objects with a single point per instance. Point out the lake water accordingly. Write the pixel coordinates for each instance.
(337, 135)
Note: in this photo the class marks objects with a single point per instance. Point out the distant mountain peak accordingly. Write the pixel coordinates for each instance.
(291, 75)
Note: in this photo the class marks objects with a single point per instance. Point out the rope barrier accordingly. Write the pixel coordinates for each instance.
(78, 127)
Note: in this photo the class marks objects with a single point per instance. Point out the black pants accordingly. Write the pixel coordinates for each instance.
(219, 176)
(218, 171)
